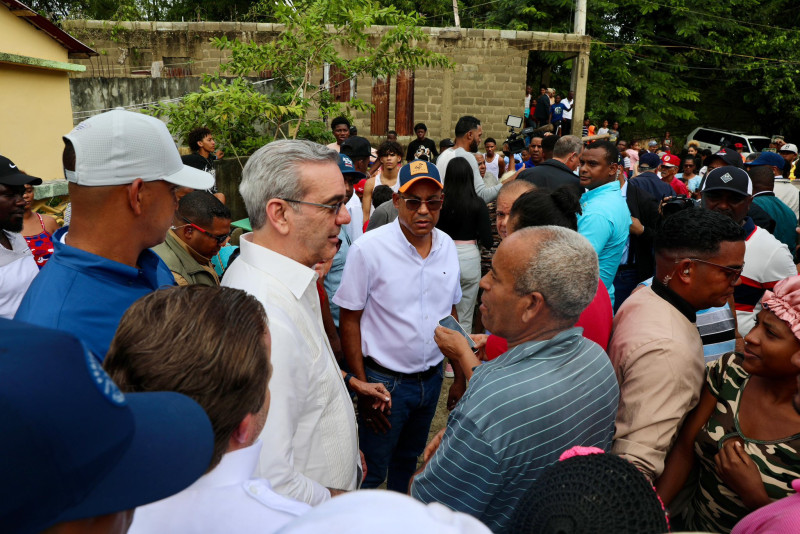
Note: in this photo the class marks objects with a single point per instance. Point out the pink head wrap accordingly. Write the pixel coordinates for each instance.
(784, 302)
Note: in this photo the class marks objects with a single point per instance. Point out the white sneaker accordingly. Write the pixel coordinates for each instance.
(448, 371)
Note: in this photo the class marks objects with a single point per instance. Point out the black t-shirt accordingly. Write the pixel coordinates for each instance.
(427, 143)
(204, 164)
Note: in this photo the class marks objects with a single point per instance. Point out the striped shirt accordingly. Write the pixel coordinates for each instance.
(519, 413)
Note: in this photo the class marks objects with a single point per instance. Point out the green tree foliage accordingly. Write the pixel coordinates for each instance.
(315, 32)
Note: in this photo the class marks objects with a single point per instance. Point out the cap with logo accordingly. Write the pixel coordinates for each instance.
(119, 146)
(74, 446)
(649, 160)
(670, 160)
(728, 156)
(738, 145)
(418, 170)
(789, 147)
(652, 143)
(769, 158)
(728, 178)
(359, 187)
(348, 169)
(356, 147)
(11, 175)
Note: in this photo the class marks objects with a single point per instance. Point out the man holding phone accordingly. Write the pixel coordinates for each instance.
(399, 280)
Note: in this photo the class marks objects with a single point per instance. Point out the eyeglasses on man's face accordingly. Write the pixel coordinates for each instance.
(733, 273)
(219, 238)
(333, 208)
(433, 204)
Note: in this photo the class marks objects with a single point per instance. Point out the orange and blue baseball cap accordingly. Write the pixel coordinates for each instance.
(418, 170)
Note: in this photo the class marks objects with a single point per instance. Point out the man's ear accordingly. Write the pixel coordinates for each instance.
(533, 307)
(683, 270)
(135, 194)
(241, 434)
(278, 215)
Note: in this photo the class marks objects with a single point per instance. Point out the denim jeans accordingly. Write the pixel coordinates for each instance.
(396, 452)
(625, 282)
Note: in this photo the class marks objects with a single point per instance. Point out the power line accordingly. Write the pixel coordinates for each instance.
(719, 17)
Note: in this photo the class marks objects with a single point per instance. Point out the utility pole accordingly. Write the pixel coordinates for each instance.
(455, 14)
(580, 70)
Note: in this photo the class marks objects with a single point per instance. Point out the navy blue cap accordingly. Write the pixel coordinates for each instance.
(769, 158)
(347, 167)
(416, 170)
(650, 160)
(728, 178)
(74, 446)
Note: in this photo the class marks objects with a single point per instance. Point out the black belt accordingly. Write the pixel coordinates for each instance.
(422, 375)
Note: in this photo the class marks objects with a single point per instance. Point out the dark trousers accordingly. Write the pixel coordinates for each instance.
(625, 282)
(395, 453)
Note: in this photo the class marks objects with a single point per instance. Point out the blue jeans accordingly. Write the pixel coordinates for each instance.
(396, 452)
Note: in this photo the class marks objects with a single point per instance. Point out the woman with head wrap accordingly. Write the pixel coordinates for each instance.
(744, 436)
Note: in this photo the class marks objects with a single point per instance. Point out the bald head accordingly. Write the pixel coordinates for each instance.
(510, 192)
(763, 178)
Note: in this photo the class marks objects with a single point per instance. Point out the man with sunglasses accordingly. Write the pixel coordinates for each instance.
(398, 282)
(201, 226)
(655, 348)
(728, 190)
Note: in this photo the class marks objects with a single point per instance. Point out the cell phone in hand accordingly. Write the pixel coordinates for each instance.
(451, 323)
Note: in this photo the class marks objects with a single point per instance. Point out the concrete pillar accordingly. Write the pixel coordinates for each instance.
(448, 125)
(580, 79)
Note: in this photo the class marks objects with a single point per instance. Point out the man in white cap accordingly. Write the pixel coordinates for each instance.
(123, 168)
(789, 153)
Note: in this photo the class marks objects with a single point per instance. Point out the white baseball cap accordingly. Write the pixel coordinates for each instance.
(788, 147)
(119, 146)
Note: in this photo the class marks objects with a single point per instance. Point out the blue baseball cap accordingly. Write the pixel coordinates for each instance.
(649, 160)
(74, 446)
(417, 170)
(769, 158)
(347, 167)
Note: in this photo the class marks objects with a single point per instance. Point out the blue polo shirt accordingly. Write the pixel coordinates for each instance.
(86, 294)
(606, 222)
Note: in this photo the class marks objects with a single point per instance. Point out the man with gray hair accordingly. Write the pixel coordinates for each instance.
(560, 170)
(294, 194)
(552, 390)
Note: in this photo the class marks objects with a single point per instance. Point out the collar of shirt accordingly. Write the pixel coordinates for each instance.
(234, 468)
(675, 300)
(100, 267)
(295, 276)
(749, 227)
(544, 349)
(599, 191)
(764, 194)
(624, 189)
(401, 237)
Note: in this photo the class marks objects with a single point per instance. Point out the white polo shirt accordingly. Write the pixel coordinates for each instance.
(227, 499)
(17, 271)
(403, 295)
(310, 438)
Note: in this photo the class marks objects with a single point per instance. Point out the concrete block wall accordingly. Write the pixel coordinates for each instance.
(488, 80)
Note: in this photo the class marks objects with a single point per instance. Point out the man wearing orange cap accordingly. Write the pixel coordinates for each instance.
(398, 282)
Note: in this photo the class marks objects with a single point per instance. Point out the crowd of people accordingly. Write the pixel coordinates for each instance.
(621, 327)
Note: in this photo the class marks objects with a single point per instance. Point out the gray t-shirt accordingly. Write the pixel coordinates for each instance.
(486, 193)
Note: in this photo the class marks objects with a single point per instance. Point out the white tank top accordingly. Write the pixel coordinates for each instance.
(493, 166)
(394, 187)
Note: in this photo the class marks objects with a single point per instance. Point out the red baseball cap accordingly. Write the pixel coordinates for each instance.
(670, 160)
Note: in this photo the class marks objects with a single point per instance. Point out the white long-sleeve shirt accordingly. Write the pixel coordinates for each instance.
(310, 438)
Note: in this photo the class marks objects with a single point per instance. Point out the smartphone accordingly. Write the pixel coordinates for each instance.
(452, 324)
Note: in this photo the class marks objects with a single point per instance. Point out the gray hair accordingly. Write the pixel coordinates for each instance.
(567, 145)
(273, 171)
(563, 267)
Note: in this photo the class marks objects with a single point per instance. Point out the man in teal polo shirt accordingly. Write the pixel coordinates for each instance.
(123, 170)
(605, 219)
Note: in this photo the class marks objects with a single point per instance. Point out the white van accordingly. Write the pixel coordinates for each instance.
(714, 139)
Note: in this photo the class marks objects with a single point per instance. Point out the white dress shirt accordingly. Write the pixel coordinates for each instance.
(310, 438)
(227, 499)
(403, 295)
(356, 225)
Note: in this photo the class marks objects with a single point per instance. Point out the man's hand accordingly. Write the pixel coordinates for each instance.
(432, 447)
(480, 345)
(636, 228)
(738, 471)
(363, 466)
(451, 343)
(457, 389)
(381, 399)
